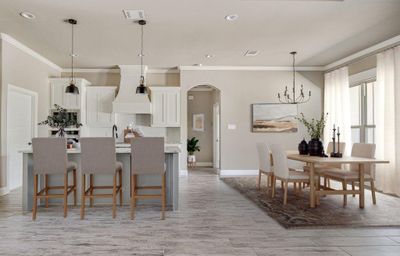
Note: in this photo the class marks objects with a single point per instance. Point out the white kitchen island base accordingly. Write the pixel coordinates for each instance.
(123, 155)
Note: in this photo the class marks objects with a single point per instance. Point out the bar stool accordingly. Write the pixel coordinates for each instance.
(147, 158)
(50, 158)
(98, 156)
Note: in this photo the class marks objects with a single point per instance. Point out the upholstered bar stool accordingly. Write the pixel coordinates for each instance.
(98, 156)
(50, 158)
(147, 158)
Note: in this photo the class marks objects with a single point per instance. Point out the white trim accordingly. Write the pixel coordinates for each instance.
(229, 173)
(368, 51)
(201, 89)
(204, 164)
(183, 173)
(163, 71)
(26, 49)
(362, 76)
(117, 71)
(4, 191)
(250, 68)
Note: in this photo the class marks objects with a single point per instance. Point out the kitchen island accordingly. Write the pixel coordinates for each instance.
(123, 156)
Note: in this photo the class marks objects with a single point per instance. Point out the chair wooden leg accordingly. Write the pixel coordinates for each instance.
(353, 187)
(133, 195)
(35, 191)
(114, 204)
(273, 186)
(120, 188)
(65, 194)
(285, 190)
(46, 184)
(373, 191)
(83, 197)
(282, 186)
(91, 184)
(74, 180)
(329, 182)
(344, 185)
(259, 180)
(163, 194)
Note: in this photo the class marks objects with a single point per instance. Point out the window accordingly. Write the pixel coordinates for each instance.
(362, 112)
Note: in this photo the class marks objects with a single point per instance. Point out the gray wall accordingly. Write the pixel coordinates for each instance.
(240, 89)
(22, 70)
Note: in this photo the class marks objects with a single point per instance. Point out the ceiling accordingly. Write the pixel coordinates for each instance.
(182, 32)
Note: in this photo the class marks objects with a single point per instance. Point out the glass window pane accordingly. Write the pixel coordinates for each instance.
(355, 105)
(355, 135)
(370, 135)
(370, 103)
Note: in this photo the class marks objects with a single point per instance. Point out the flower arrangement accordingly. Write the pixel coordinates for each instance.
(60, 120)
(315, 127)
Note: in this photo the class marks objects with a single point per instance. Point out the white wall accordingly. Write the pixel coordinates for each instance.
(239, 89)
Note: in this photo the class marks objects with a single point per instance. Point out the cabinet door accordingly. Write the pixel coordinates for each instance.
(172, 109)
(71, 101)
(99, 107)
(57, 94)
(158, 109)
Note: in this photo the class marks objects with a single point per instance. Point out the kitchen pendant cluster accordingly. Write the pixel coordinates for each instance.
(72, 88)
(292, 99)
(141, 89)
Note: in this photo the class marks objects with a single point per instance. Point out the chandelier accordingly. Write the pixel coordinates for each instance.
(290, 98)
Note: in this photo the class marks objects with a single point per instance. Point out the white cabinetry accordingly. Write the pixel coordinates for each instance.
(67, 100)
(165, 105)
(99, 101)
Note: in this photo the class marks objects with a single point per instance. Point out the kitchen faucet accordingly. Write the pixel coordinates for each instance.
(115, 131)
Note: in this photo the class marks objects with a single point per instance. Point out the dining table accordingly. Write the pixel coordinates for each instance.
(316, 192)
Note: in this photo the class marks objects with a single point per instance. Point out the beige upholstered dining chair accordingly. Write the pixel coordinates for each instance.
(147, 158)
(264, 163)
(50, 158)
(351, 176)
(283, 173)
(98, 156)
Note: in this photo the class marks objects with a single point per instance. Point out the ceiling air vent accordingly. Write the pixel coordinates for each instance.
(134, 14)
(251, 53)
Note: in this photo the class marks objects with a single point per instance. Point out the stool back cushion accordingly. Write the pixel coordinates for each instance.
(98, 155)
(147, 155)
(264, 157)
(49, 155)
(281, 168)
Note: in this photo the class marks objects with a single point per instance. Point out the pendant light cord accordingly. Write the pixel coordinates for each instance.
(72, 54)
(141, 52)
(294, 77)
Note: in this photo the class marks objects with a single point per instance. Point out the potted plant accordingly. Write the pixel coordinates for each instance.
(192, 146)
(60, 121)
(315, 128)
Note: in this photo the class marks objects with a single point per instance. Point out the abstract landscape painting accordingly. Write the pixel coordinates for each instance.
(274, 118)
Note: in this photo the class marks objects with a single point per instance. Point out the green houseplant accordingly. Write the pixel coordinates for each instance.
(315, 128)
(192, 146)
(60, 121)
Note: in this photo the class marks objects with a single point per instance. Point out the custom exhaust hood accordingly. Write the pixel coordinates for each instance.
(127, 100)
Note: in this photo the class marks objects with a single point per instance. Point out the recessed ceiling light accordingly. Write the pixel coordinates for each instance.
(28, 15)
(251, 53)
(209, 56)
(231, 17)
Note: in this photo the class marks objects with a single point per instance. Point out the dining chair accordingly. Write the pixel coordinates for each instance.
(50, 158)
(283, 172)
(264, 163)
(351, 176)
(147, 158)
(98, 157)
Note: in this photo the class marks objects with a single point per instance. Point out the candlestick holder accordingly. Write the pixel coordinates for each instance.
(334, 153)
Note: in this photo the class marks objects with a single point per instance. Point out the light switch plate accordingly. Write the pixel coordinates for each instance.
(231, 126)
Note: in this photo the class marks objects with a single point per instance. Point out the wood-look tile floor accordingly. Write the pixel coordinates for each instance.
(213, 220)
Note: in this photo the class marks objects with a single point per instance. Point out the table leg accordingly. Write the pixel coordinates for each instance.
(361, 185)
(312, 186)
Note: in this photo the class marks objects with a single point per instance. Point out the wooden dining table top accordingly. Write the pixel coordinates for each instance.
(293, 155)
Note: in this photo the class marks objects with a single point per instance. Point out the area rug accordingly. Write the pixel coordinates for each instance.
(329, 214)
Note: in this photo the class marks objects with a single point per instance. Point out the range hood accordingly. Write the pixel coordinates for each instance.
(127, 101)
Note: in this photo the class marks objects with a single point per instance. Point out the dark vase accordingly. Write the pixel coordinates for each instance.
(315, 147)
(303, 147)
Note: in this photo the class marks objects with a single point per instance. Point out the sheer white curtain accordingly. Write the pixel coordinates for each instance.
(337, 105)
(387, 120)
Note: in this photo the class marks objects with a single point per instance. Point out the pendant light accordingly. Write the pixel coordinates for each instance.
(292, 99)
(141, 89)
(72, 88)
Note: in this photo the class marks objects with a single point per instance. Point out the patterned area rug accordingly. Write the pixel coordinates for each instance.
(329, 214)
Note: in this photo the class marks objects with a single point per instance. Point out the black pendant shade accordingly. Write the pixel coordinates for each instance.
(71, 88)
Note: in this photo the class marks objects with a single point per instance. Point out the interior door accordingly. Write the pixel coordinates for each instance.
(216, 136)
(19, 134)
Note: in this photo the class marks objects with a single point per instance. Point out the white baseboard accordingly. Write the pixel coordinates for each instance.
(204, 164)
(4, 191)
(183, 173)
(227, 173)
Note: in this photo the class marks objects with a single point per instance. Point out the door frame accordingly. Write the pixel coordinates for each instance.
(216, 131)
(34, 114)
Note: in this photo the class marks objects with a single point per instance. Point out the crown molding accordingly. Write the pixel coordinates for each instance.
(117, 70)
(250, 68)
(9, 39)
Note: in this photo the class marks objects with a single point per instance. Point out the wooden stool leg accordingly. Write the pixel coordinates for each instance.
(91, 184)
(75, 194)
(344, 185)
(83, 192)
(114, 206)
(65, 194)
(163, 195)
(273, 186)
(133, 203)
(35, 191)
(120, 188)
(373, 192)
(46, 184)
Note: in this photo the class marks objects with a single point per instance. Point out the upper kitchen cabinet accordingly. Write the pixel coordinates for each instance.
(99, 108)
(165, 106)
(67, 100)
